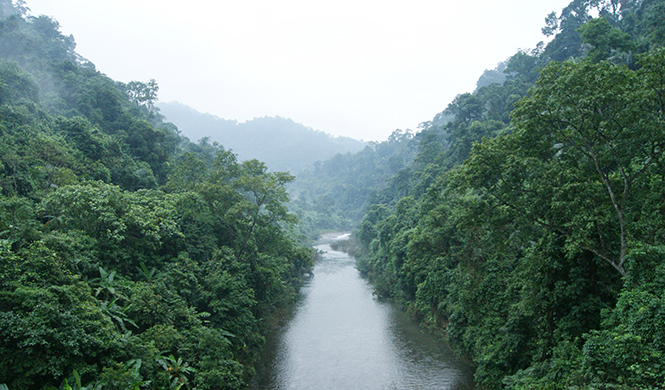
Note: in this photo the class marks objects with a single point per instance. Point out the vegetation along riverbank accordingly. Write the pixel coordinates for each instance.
(130, 257)
(525, 222)
(530, 226)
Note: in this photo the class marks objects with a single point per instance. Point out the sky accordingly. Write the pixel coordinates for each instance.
(356, 68)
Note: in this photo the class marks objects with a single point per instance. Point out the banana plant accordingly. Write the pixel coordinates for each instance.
(116, 313)
(177, 369)
(149, 275)
(134, 366)
(107, 284)
(66, 386)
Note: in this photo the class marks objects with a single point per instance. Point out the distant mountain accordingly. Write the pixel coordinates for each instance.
(281, 143)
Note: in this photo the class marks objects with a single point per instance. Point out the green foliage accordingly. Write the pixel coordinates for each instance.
(143, 94)
(279, 142)
(337, 191)
(47, 331)
(91, 239)
(17, 85)
(604, 39)
(124, 376)
(526, 226)
(529, 232)
(97, 236)
(106, 280)
(629, 349)
(177, 371)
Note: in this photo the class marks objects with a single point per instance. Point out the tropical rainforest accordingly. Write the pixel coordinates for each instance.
(129, 257)
(529, 228)
(281, 143)
(524, 224)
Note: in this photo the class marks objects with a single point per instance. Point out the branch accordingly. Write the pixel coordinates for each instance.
(622, 222)
(618, 267)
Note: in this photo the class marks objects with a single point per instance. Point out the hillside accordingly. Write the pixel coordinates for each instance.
(129, 257)
(524, 224)
(529, 228)
(281, 143)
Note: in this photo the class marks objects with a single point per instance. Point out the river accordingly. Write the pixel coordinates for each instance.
(342, 337)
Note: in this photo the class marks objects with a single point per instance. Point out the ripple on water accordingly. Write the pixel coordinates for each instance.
(342, 337)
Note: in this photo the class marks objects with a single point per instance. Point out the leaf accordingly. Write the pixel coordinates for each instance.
(77, 378)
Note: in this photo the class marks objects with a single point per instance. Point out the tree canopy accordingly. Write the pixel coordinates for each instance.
(528, 229)
(525, 222)
(129, 257)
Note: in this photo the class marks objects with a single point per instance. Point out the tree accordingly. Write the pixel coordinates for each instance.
(143, 94)
(567, 41)
(128, 228)
(551, 25)
(586, 146)
(264, 200)
(16, 84)
(605, 40)
(12, 7)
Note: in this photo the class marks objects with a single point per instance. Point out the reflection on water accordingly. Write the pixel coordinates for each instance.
(342, 337)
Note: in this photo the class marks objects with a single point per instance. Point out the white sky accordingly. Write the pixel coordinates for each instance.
(359, 68)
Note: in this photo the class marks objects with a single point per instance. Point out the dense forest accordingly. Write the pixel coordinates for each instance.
(322, 164)
(281, 143)
(129, 257)
(529, 228)
(525, 223)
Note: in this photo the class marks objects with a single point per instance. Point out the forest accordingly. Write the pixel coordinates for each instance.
(528, 230)
(281, 143)
(129, 257)
(524, 224)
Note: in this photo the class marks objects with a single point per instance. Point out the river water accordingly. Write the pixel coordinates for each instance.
(342, 337)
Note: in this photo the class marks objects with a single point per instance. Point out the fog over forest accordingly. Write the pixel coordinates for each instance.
(355, 68)
(147, 245)
(279, 142)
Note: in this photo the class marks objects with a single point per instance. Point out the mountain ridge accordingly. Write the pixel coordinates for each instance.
(282, 143)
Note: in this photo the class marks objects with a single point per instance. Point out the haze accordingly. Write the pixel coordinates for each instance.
(359, 68)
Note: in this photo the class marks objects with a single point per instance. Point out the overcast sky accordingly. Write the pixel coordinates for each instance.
(359, 68)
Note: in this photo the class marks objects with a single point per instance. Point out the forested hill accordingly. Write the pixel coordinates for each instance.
(525, 222)
(129, 257)
(281, 143)
(529, 227)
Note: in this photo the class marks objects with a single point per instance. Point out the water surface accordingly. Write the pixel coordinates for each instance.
(343, 337)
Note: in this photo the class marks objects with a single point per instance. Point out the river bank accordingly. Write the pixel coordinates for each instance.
(341, 336)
